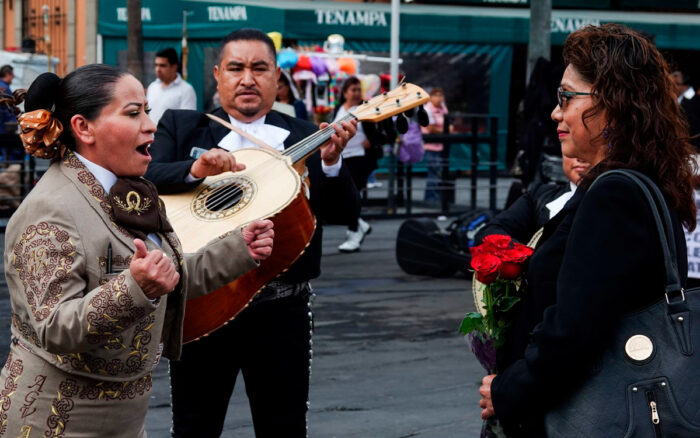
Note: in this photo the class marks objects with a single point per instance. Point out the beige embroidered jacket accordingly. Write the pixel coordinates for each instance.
(68, 310)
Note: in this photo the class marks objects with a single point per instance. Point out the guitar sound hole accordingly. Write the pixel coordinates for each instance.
(224, 200)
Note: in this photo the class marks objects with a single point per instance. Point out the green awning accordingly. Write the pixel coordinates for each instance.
(163, 18)
(425, 29)
(583, 4)
(371, 21)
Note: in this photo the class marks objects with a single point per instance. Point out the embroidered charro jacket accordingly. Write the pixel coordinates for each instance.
(85, 340)
(72, 313)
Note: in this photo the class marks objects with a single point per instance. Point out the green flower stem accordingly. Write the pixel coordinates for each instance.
(489, 309)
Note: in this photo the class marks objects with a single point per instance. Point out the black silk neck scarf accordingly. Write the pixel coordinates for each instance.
(137, 208)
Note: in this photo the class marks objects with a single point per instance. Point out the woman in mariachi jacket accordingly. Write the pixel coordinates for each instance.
(97, 278)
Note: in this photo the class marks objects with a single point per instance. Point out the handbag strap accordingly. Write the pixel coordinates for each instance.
(664, 228)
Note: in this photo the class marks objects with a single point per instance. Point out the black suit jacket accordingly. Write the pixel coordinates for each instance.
(526, 216)
(598, 259)
(333, 200)
(691, 108)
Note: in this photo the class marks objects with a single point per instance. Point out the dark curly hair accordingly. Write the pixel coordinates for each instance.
(646, 130)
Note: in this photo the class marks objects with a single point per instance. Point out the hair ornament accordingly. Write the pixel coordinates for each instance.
(40, 132)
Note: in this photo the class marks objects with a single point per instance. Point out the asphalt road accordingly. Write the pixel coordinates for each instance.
(388, 361)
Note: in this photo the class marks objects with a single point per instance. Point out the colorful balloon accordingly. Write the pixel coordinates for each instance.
(318, 65)
(348, 65)
(287, 58)
(276, 38)
(303, 63)
(370, 85)
(331, 66)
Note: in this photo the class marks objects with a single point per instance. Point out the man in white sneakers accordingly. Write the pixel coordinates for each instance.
(169, 90)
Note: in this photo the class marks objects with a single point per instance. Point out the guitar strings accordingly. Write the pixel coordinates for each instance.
(229, 192)
(220, 196)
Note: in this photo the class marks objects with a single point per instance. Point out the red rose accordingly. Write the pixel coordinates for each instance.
(518, 253)
(499, 241)
(486, 267)
(513, 261)
(476, 250)
(510, 271)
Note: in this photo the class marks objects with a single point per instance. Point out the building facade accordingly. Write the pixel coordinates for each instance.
(63, 29)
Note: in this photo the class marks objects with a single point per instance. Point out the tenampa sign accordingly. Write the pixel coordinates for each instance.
(227, 13)
(145, 14)
(568, 25)
(351, 18)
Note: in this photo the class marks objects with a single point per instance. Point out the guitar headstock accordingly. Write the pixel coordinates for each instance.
(400, 99)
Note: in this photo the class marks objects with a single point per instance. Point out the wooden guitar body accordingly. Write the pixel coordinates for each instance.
(269, 188)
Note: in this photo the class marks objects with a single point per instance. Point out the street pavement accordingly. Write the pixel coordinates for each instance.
(388, 362)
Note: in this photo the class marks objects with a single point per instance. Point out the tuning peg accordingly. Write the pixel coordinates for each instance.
(423, 119)
(401, 123)
(409, 113)
(387, 125)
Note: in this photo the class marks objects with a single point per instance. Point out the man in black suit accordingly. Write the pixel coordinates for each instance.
(690, 102)
(270, 341)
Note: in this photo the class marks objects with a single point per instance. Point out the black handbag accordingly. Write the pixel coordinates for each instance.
(647, 383)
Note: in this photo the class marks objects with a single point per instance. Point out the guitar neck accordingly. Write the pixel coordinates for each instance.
(383, 106)
(310, 144)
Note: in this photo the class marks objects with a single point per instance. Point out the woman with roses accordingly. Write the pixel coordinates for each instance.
(616, 109)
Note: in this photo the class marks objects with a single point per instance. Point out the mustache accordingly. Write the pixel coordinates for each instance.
(247, 91)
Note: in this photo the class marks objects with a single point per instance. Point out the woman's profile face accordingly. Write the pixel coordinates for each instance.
(580, 141)
(123, 131)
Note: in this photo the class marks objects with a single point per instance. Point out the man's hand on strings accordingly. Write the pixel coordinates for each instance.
(331, 150)
(213, 162)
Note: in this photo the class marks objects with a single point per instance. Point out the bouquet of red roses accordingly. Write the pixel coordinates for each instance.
(498, 263)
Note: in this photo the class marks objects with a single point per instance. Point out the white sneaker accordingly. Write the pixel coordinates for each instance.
(364, 227)
(355, 238)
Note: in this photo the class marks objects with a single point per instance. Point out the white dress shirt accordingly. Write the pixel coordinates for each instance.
(688, 94)
(556, 205)
(269, 134)
(176, 95)
(107, 180)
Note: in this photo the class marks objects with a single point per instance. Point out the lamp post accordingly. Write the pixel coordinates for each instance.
(185, 48)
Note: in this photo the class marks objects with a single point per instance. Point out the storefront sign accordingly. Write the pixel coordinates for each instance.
(145, 14)
(351, 18)
(227, 13)
(568, 25)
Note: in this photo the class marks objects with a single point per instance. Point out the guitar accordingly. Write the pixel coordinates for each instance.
(272, 186)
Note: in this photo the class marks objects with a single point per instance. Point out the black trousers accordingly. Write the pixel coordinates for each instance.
(270, 344)
(359, 170)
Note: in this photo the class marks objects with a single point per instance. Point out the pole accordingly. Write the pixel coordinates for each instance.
(134, 39)
(540, 32)
(47, 37)
(185, 49)
(394, 49)
(394, 72)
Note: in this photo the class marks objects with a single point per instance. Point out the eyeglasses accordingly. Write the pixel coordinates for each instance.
(564, 96)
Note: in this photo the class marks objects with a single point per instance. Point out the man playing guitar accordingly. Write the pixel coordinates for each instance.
(269, 341)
